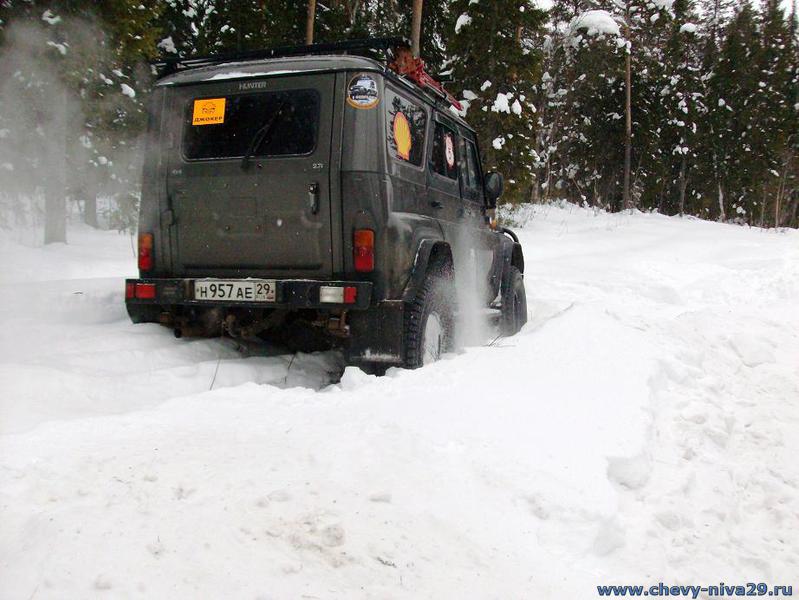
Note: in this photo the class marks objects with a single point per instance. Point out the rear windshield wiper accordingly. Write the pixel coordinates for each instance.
(260, 135)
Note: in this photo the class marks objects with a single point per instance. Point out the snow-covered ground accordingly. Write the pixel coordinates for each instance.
(641, 428)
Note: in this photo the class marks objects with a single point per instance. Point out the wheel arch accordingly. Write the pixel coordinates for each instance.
(514, 255)
(430, 252)
(517, 257)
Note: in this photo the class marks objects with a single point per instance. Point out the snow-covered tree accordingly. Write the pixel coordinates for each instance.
(496, 76)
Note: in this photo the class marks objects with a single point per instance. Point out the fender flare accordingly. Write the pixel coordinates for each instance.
(512, 256)
(515, 249)
(427, 249)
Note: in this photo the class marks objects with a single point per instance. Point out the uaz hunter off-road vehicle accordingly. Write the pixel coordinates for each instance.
(313, 195)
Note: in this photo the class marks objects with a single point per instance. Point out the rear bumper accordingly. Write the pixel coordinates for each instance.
(289, 293)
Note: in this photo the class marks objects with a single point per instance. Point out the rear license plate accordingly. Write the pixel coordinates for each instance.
(256, 290)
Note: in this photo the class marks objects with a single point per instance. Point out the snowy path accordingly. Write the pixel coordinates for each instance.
(642, 428)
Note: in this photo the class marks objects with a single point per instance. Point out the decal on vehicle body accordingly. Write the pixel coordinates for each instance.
(362, 92)
(209, 111)
(402, 136)
(449, 150)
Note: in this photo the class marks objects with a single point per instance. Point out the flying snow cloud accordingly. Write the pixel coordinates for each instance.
(60, 89)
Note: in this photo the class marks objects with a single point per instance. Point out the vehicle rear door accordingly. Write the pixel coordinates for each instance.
(265, 214)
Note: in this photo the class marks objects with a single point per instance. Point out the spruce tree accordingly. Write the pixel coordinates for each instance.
(772, 119)
(682, 107)
(495, 74)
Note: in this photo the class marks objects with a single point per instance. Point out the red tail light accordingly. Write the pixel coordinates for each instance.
(145, 251)
(145, 291)
(350, 295)
(363, 242)
(130, 291)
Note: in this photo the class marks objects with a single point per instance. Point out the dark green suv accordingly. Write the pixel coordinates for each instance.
(319, 199)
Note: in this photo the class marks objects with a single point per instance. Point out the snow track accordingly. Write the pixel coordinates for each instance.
(641, 428)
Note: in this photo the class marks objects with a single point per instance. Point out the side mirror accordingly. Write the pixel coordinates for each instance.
(495, 185)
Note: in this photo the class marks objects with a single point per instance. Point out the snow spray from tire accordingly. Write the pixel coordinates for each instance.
(471, 290)
(64, 152)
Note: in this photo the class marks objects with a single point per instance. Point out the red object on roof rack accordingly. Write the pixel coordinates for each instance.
(405, 63)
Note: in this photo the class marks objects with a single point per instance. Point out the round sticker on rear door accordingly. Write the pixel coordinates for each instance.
(362, 92)
(449, 150)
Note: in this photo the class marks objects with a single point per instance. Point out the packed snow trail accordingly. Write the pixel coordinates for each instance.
(640, 429)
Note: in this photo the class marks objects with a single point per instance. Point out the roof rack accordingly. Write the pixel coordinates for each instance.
(396, 54)
(167, 66)
(406, 64)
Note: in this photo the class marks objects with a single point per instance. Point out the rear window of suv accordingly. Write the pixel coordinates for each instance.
(287, 124)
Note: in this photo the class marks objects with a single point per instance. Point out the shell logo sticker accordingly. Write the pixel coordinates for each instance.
(402, 136)
(362, 92)
(449, 151)
(209, 111)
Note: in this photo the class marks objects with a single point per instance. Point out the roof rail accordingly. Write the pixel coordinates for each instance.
(396, 54)
(167, 66)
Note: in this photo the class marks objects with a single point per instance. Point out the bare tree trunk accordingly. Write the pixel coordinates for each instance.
(309, 23)
(628, 109)
(781, 191)
(722, 213)
(416, 28)
(683, 184)
(90, 209)
(55, 213)
(55, 207)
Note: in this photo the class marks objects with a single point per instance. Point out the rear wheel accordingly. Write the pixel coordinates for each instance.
(430, 319)
(514, 303)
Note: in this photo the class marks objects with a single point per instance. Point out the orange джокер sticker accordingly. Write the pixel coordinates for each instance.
(402, 136)
(209, 111)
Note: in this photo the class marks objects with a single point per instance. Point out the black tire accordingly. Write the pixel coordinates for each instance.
(514, 303)
(435, 299)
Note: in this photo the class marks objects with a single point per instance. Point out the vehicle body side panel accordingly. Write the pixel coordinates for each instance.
(153, 194)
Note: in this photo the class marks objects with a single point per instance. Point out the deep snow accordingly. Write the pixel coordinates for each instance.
(641, 428)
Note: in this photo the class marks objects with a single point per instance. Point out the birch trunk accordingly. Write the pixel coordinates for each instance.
(310, 22)
(416, 28)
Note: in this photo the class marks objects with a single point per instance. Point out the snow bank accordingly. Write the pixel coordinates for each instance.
(89, 253)
(639, 429)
